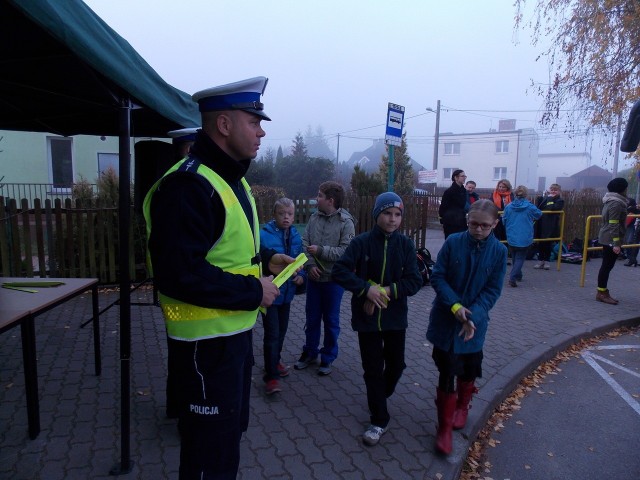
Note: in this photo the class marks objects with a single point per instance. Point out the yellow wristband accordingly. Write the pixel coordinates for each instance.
(455, 307)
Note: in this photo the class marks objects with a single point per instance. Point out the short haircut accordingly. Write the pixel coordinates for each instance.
(455, 173)
(555, 185)
(521, 191)
(506, 182)
(485, 206)
(283, 202)
(333, 190)
(472, 182)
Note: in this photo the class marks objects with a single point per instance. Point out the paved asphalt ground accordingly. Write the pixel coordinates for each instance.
(581, 422)
(312, 429)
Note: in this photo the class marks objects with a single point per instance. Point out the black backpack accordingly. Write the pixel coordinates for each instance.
(425, 264)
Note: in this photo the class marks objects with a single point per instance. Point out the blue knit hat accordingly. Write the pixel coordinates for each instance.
(387, 200)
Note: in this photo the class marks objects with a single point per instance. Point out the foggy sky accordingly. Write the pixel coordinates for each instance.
(338, 64)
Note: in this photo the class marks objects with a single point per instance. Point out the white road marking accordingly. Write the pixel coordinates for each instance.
(590, 358)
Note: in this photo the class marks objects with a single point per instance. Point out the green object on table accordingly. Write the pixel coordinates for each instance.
(35, 283)
(21, 286)
(21, 289)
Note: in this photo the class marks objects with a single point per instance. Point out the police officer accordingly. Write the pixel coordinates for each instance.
(181, 140)
(204, 244)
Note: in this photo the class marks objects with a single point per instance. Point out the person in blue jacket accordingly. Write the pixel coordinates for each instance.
(380, 269)
(518, 219)
(281, 236)
(467, 277)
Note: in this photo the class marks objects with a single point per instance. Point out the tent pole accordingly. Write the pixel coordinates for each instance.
(124, 214)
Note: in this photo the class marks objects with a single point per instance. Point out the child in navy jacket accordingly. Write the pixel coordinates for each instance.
(379, 268)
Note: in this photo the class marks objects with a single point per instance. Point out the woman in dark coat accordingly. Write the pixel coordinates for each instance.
(549, 225)
(454, 205)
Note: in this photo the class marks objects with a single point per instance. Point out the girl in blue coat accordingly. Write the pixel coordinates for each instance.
(467, 277)
(279, 235)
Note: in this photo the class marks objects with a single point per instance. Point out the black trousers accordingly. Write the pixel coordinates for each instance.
(608, 262)
(382, 356)
(214, 387)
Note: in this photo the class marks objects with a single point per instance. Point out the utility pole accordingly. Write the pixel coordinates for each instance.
(436, 138)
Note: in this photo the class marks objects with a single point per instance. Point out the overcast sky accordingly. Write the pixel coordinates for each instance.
(337, 64)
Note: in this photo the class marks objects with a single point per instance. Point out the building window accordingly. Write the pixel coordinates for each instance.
(502, 146)
(106, 160)
(61, 161)
(447, 172)
(452, 148)
(499, 173)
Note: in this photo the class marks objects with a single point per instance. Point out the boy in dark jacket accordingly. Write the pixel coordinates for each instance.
(379, 268)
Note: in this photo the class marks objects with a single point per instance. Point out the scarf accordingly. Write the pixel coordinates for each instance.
(501, 199)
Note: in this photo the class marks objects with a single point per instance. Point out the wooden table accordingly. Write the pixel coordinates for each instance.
(21, 308)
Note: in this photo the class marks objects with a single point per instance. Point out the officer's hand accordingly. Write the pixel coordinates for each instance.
(269, 291)
(279, 262)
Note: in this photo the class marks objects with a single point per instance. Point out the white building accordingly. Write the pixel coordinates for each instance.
(490, 156)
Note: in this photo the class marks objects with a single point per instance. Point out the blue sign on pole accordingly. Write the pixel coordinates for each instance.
(395, 122)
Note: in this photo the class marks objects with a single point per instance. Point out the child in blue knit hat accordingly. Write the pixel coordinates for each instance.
(379, 268)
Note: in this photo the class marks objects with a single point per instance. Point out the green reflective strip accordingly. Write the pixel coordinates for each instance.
(614, 221)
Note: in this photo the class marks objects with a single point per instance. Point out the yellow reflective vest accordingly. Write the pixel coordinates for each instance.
(233, 253)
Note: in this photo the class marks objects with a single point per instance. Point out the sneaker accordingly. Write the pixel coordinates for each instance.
(283, 370)
(304, 361)
(546, 266)
(325, 369)
(271, 387)
(372, 435)
(538, 266)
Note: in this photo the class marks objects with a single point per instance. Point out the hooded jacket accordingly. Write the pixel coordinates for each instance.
(518, 218)
(614, 214)
(273, 237)
(470, 272)
(332, 233)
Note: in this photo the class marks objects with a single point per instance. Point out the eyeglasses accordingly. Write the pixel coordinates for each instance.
(483, 226)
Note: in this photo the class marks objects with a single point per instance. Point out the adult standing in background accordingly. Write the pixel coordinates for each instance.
(632, 233)
(549, 225)
(614, 213)
(204, 244)
(329, 231)
(181, 140)
(518, 218)
(472, 194)
(502, 196)
(454, 205)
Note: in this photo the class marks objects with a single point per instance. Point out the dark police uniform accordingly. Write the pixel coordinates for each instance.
(186, 221)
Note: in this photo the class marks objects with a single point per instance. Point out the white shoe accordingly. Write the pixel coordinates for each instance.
(372, 435)
(538, 266)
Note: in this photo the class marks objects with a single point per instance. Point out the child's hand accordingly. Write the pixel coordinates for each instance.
(378, 296)
(463, 314)
(369, 307)
(468, 330)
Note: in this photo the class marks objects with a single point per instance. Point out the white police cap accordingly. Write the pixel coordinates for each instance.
(242, 95)
(183, 135)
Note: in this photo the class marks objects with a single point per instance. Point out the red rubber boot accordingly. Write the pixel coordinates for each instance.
(446, 403)
(465, 392)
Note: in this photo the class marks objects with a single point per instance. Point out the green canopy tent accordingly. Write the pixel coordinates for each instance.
(65, 71)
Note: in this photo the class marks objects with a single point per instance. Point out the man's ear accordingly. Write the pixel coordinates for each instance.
(224, 124)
